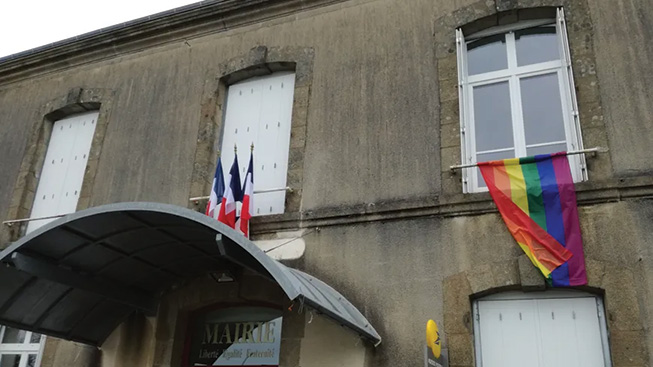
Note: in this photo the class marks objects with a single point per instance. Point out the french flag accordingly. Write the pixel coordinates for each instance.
(217, 190)
(248, 198)
(232, 194)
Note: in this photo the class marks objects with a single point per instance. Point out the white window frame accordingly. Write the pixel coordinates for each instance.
(23, 349)
(513, 74)
(548, 294)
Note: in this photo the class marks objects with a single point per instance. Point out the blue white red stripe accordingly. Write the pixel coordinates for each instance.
(232, 194)
(248, 198)
(217, 190)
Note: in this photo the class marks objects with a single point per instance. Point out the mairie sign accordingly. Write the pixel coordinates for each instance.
(433, 348)
(237, 336)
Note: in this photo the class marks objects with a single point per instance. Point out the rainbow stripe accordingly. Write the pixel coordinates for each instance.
(537, 201)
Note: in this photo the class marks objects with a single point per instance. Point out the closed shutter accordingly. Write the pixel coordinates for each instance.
(542, 332)
(259, 111)
(63, 170)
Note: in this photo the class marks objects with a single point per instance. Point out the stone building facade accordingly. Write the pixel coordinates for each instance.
(375, 129)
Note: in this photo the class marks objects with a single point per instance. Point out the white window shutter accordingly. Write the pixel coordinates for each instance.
(577, 161)
(465, 142)
(544, 330)
(259, 111)
(576, 319)
(63, 170)
(508, 333)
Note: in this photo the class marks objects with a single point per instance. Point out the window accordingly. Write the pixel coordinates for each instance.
(259, 111)
(553, 328)
(19, 348)
(517, 96)
(63, 169)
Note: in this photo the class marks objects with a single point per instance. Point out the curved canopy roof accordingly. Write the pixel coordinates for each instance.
(78, 277)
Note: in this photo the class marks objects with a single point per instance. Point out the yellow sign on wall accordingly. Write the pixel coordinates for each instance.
(433, 340)
(433, 356)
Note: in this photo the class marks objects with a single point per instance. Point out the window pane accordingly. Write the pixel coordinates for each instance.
(13, 335)
(560, 147)
(492, 117)
(485, 157)
(9, 360)
(542, 108)
(536, 45)
(487, 54)
(31, 360)
(35, 338)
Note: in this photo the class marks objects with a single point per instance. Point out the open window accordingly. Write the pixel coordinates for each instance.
(517, 95)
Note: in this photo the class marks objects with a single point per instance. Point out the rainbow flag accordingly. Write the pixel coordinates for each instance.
(537, 201)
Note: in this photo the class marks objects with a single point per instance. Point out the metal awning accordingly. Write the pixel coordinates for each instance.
(80, 276)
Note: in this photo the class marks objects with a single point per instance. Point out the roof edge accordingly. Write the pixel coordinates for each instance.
(169, 17)
(178, 24)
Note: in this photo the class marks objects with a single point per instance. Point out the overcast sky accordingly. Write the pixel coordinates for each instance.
(27, 24)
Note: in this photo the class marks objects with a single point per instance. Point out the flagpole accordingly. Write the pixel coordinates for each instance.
(249, 205)
(584, 151)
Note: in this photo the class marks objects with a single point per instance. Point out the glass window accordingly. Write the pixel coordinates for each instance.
(12, 335)
(542, 109)
(19, 348)
(487, 54)
(535, 45)
(493, 129)
(517, 96)
(35, 338)
(10, 360)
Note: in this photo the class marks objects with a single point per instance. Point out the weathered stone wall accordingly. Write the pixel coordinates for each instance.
(374, 131)
(327, 344)
(622, 31)
(391, 271)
